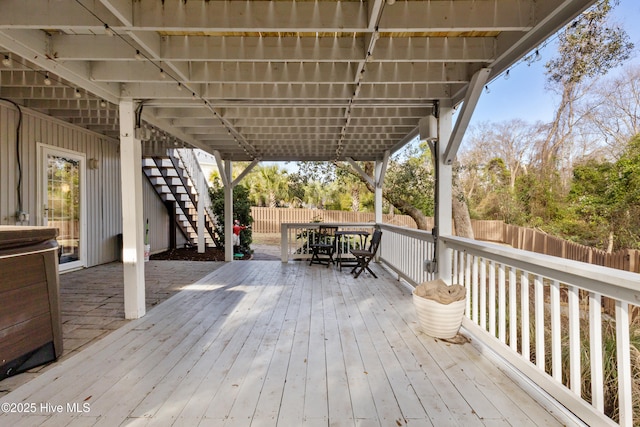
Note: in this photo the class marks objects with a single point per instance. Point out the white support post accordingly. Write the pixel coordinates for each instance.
(380, 170)
(444, 181)
(132, 213)
(228, 212)
(202, 187)
(377, 198)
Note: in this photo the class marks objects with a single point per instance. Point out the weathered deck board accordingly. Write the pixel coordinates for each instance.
(263, 343)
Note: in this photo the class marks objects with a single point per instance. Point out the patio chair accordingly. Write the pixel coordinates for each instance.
(363, 257)
(324, 247)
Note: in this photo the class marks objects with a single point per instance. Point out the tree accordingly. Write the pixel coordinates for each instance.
(241, 212)
(606, 197)
(588, 47)
(269, 185)
(493, 158)
(612, 111)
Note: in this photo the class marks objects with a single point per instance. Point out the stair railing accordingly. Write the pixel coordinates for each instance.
(198, 179)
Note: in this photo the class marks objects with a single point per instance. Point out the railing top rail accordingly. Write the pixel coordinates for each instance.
(318, 224)
(411, 232)
(614, 283)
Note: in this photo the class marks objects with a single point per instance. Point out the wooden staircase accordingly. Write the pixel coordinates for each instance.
(170, 176)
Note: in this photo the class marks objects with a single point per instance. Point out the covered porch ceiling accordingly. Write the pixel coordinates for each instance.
(268, 80)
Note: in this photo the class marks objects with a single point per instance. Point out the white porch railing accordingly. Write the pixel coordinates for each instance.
(531, 310)
(405, 251)
(295, 238)
(543, 315)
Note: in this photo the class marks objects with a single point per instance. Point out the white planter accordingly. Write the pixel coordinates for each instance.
(439, 320)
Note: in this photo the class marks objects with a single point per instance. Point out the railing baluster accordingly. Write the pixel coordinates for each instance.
(556, 343)
(575, 350)
(625, 404)
(513, 310)
(502, 302)
(492, 298)
(474, 289)
(467, 283)
(524, 314)
(595, 339)
(539, 321)
(482, 265)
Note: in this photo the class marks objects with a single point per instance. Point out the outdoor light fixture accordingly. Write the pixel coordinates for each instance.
(138, 55)
(77, 94)
(486, 89)
(179, 86)
(93, 164)
(47, 80)
(506, 75)
(108, 31)
(162, 74)
(6, 61)
(103, 103)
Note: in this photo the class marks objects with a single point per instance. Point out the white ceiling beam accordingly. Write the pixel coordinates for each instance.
(313, 112)
(166, 126)
(53, 15)
(329, 136)
(279, 49)
(244, 122)
(357, 130)
(34, 44)
(258, 16)
(212, 92)
(435, 49)
(237, 48)
(459, 15)
(91, 48)
(279, 72)
(151, 46)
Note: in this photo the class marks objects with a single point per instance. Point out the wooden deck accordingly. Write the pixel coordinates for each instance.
(263, 343)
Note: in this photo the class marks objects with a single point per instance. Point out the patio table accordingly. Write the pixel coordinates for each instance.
(347, 234)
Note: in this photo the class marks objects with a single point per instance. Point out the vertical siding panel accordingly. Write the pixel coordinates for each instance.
(4, 163)
(157, 215)
(11, 166)
(103, 202)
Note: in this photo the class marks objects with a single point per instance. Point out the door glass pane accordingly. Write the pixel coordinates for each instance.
(63, 194)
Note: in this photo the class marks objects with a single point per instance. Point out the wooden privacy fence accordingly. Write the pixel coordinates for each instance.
(268, 220)
(537, 241)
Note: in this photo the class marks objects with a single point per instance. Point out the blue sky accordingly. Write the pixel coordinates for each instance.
(524, 96)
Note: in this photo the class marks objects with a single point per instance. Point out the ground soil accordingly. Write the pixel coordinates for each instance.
(190, 254)
(260, 242)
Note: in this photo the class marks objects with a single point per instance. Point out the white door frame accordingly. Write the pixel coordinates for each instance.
(43, 151)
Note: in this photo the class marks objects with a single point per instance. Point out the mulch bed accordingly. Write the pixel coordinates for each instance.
(191, 254)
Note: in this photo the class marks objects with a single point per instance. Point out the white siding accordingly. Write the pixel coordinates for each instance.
(156, 213)
(104, 213)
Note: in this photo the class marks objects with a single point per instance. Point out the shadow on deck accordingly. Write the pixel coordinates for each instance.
(267, 343)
